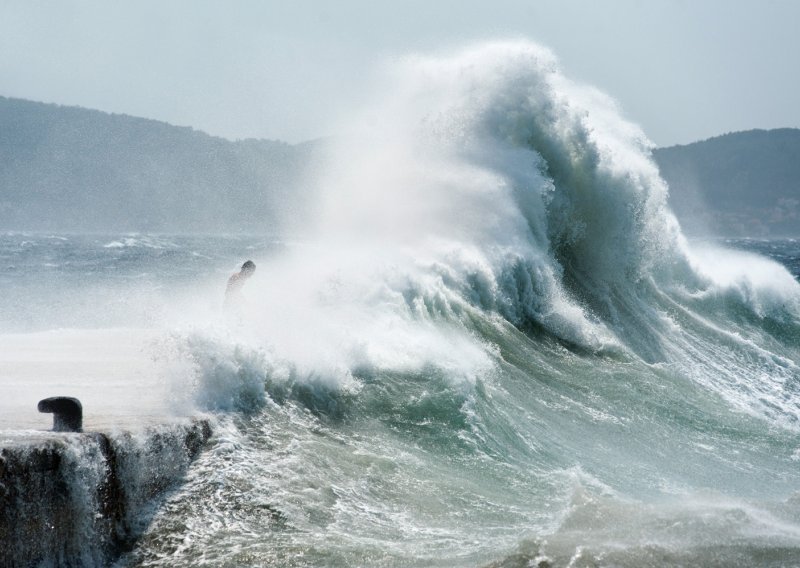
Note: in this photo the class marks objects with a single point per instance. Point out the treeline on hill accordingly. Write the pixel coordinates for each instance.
(740, 184)
(74, 169)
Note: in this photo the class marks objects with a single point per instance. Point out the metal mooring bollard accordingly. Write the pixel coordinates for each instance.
(67, 413)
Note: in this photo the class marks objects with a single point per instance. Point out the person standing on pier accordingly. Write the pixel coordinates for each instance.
(233, 292)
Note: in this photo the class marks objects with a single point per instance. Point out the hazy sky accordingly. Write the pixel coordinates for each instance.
(683, 69)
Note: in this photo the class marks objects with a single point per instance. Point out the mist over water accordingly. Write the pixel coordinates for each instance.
(486, 184)
(492, 345)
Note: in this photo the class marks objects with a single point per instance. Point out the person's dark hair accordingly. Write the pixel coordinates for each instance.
(249, 266)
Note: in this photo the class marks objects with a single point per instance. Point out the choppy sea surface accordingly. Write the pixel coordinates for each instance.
(528, 451)
(494, 347)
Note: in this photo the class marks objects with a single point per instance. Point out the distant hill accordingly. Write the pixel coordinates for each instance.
(73, 169)
(739, 184)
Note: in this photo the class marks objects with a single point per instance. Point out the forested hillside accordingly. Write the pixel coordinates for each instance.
(739, 184)
(73, 169)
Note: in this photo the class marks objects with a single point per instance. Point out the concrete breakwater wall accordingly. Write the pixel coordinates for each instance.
(81, 499)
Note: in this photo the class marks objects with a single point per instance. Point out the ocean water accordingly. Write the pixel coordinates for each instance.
(490, 345)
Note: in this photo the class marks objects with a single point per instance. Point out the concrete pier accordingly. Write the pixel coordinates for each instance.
(81, 499)
(125, 433)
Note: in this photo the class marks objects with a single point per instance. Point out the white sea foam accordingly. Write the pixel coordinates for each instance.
(492, 292)
(485, 182)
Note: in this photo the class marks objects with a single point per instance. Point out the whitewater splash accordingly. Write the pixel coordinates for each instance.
(491, 345)
(494, 345)
(486, 185)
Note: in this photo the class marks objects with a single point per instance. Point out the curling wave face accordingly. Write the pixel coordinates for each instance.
(487, 185)
(495, 327)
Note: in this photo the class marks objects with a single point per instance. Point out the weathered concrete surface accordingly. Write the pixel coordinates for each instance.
(81, 499)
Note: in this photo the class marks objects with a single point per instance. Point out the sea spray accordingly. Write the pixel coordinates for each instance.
(80, 499)
(494, 345)
(485, 182)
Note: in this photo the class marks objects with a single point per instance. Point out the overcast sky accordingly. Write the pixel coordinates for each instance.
(683, 69)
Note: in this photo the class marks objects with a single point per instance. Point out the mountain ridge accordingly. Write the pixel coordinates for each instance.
(743, 183)
(67, 168)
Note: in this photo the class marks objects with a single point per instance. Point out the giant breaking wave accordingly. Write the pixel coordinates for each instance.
(486, 186)
(492, 325)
